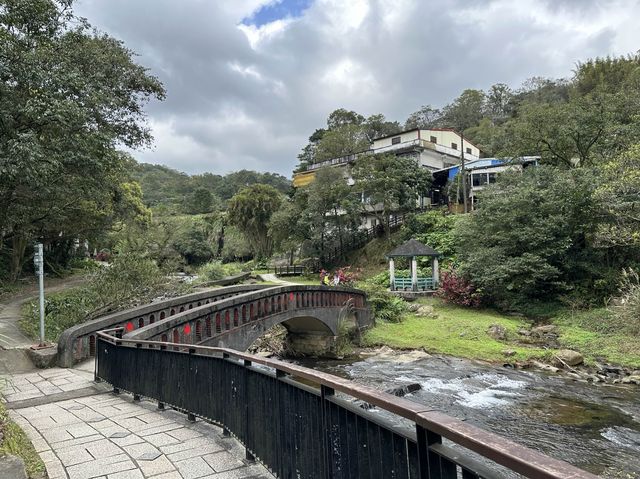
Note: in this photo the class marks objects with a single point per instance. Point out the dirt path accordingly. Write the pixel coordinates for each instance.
(10, 335)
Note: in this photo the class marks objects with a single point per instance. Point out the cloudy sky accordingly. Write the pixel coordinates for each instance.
(249, 80)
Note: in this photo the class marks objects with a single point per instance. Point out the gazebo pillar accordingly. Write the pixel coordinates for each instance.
(392, 274)
(414, 274)
(435, 271)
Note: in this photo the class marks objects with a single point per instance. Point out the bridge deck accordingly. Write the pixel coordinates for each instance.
(104, 436)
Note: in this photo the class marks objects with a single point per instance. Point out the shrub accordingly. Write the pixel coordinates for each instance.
(215, 270)
(456, 289)
(128, 280)
(386, 306)
(627, 306)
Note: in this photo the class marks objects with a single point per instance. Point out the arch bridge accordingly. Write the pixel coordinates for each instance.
(312, 315)
(231, 317)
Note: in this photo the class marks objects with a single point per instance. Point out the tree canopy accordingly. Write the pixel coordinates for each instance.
(70, 98)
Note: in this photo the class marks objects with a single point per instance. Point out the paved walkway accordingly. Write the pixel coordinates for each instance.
(10, 335)
(82, 431)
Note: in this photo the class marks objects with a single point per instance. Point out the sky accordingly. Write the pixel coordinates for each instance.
(249, 80)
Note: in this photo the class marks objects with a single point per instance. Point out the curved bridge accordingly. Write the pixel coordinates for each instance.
(234, 316)
(312, 316)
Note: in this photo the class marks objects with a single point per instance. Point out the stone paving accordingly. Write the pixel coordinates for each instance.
(44, 382)
(106, 436)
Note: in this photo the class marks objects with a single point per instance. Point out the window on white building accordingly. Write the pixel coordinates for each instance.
(395, 140)
(433, 139)
(469, 150)
(454, 146)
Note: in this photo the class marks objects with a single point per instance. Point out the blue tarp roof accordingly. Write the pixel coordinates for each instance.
(475, 164)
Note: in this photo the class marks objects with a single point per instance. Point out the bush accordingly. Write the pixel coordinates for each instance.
(386, 306)
(128, 280)
(456, 289)
(627, 306)
(215, 270)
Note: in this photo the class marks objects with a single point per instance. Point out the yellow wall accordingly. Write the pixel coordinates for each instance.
(303, 178)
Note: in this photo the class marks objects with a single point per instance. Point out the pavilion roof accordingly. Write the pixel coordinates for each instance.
(412, 248)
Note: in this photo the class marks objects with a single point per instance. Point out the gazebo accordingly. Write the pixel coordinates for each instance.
(414, 249)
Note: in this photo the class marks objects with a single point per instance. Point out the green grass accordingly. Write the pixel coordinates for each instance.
(16, 443)
(462, 332)
(306, 280)
(593, 333)
(454, 331)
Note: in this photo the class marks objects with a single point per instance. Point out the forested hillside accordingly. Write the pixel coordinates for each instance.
(178, 192)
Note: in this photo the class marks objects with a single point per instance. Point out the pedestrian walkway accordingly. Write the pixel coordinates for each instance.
(91, 433)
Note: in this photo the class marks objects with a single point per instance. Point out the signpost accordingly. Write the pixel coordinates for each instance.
(38, 261)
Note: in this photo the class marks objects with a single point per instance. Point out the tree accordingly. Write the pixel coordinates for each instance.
(333, 209)
(389, 184)
(377, 126)
(341, 141)
(340, 118)
(466, 111)
(619, 195)
(69, 97)
(199, 201)
(532, 238)
(426, 117)
(250, 211)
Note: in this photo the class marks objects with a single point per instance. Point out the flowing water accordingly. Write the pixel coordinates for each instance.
(595, 427)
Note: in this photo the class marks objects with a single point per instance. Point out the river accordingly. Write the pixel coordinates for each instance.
(594, 427)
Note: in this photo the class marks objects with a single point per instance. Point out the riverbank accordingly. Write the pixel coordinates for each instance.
(487, 335)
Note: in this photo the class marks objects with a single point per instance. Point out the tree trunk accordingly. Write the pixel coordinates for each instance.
(18, 247)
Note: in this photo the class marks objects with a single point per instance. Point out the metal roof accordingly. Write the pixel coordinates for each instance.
(413, 248)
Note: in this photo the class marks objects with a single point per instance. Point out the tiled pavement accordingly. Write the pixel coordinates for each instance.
(112, 437)
(44, 382)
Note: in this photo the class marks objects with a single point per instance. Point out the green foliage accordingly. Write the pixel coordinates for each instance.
(627, 305)
(389, 184)
(250, 211)
(453, 330)
(436, 229)
(129, 279)
(215, 270)
(169, 191)
(531, 237)
(70, 97)
(14, 441)
(386, 306)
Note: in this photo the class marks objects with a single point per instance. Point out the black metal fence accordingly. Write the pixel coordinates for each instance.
(302, 432)
(292, 270)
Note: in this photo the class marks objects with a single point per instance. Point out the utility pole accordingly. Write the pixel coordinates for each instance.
(38, 261)
(463, 172)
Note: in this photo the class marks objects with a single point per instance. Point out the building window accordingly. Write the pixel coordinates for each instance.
(469, 150)
(454, 146)
(395, 140)
(433, 139)
(492, 178)
(479, 179)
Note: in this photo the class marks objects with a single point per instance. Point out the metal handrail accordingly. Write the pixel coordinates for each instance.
(516, 457)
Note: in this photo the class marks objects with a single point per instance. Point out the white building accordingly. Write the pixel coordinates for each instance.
(434, 149)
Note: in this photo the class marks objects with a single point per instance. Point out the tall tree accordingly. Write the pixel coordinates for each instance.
(250, 211)
(69, 97)
(389, 184)
(426, 117)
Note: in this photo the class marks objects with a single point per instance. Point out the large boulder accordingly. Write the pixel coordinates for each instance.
(569, 357)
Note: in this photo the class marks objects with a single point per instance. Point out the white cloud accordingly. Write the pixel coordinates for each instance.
(243, 96)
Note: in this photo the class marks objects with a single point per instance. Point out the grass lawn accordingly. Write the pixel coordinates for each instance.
(455, 331)
(462, 332)
(591, 332)
(16, 443)
(306, 280)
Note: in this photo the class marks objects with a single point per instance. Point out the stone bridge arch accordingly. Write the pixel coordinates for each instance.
(311, 314)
